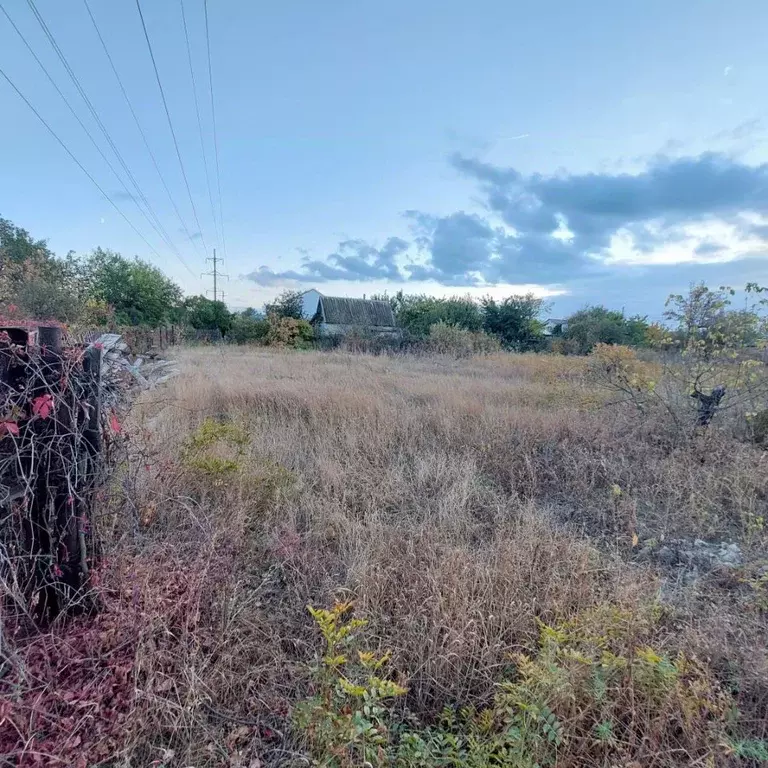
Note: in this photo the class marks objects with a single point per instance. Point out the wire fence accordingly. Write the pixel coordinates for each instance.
(60, 414)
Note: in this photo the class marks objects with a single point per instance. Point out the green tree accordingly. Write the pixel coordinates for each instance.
(42, 299)
(514, 321)
(204, 314)
(287, 304)
(704, 316)
(598, 325)
(417, 313)
(18, 247)
(31, 277)
(139, 293)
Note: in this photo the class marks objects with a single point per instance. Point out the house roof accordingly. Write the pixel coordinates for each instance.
(365, 312)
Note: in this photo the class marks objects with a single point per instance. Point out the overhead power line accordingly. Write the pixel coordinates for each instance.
(92, 139)
(77, 162)
(215, 134)
(199, 121)
(157, 225)
(141, 130)
(170, 125)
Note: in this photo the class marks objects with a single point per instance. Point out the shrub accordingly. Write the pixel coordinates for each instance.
(289, 332)
(418, 313)
(449, 339)
(217, 454)
(215, 449)
(346, 721)
(248, 330)
(45, 300)
(567, 703)
(618, 368)
(759, 426)
(363, 341)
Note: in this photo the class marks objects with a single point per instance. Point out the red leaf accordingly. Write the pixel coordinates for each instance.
(115, 424)
(9, 427)
(42, 406)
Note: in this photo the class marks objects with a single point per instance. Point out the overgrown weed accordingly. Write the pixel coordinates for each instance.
(450, 499)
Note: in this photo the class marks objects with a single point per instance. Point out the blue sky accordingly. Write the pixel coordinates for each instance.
(595, 152)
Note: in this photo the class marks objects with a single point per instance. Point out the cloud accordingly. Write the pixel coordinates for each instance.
(727, 71)
(556, 229)
(456, 246)
(747, 129)
(354, 260)
(665, 195)
(709, 248)
(744, 130)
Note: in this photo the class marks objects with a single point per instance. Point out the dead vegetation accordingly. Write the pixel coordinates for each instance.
(486, 516)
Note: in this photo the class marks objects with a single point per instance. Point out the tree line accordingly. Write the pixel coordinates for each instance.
(105, 288)
(102, 288)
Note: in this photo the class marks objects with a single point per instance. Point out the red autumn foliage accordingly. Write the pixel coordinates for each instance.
(72, 692)
(42, 406)
(9, 428)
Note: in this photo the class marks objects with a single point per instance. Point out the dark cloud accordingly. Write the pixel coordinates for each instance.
(463, 248)
(554, 229)
(456, 247)
(596, 206)
(353, 260)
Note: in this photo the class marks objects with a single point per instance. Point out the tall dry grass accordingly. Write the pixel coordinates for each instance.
(458, 502)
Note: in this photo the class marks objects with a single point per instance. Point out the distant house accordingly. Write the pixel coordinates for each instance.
(555, 326)
(335, 316)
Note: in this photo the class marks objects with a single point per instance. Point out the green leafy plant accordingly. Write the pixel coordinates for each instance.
(575, 689)
(215, 449)
(346, 721)
(748, 749)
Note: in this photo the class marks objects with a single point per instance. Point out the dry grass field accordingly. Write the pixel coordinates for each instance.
(524, 549)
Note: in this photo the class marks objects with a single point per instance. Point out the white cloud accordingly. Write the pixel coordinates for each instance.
(727, 71)
(701, 243)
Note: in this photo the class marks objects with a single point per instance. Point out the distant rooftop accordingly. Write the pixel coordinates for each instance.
(338, 310)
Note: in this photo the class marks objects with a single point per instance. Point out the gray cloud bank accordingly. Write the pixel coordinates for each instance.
(556, 229)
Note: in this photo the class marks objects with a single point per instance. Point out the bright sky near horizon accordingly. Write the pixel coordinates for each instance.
(595, 152)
